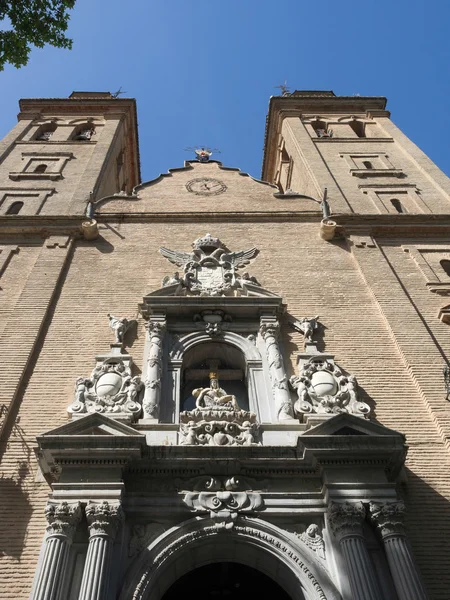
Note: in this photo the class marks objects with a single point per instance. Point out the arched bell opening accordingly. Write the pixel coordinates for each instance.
(210, 361)
(231, 580)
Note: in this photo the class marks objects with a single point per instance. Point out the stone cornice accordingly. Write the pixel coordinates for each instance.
(387, 225)
(42, 225)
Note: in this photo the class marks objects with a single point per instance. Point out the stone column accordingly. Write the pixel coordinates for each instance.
(103, 520)
(270, 330)
(346, 521)
(62, 520)
(156, 330)
(388, 518)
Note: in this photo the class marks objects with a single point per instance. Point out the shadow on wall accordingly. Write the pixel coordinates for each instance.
(428, 526)
(16, 512)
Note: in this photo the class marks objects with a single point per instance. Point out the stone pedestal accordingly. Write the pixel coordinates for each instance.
(104, 520)
(346, 522)
(389, 520)
(62, 522)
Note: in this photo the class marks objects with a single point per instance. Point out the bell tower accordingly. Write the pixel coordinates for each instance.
(349, 145)
(66, 152)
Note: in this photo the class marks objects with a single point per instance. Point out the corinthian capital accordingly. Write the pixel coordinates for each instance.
(62, 518)
(104, 518)
(269, 329)
(156, 328)
(346, 518)
(388, 517)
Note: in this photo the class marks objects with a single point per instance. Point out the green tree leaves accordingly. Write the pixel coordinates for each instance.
(32, 22)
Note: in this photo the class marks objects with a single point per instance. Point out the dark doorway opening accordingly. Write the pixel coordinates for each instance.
(226, 580)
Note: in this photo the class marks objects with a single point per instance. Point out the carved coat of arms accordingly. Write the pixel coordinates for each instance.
(210, 269)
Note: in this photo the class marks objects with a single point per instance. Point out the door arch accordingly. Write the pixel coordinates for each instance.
(253, 543)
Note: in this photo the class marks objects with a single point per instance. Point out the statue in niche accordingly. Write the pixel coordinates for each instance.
(214, 396)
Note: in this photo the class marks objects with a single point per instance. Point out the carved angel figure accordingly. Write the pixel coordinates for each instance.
(119, 327)
(307, 326)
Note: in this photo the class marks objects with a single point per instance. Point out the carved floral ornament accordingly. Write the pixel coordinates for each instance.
(209, 270)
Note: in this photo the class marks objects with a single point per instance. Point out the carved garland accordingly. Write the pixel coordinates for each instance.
(144, 582)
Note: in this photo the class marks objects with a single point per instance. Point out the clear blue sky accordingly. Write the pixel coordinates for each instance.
(202, 72)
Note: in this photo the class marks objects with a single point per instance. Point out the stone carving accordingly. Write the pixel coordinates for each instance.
(307, 326)
(314, 540)
(143, 536)
(156, 331)
(217, 419)
(110, 389)
(346, 518)
(210, 269)
(212, 483)
(183, 541)
(270, 330)
(322, 388)
(62, 518)
(214, 322)
(104, 518)
(119, 327)
(224, 502)
(388, 517)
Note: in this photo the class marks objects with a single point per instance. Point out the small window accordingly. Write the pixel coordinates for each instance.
(41, 168)
(367, 164)
(358, 127)
(84, 133)
(445, 264)
(45, 132)
(398, 206)
(15, 208)
(321, 129)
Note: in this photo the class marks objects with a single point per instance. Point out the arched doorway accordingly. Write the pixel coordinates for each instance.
(226, 580)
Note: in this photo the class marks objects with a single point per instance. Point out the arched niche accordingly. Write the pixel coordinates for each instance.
(234, 351)
(252, 542)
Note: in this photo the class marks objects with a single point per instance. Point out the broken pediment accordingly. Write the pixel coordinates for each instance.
(94, 438)
(211, 270)
(205, 187)
(347, 424)
(92, 424)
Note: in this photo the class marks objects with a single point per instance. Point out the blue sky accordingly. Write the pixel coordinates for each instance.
(202, 72)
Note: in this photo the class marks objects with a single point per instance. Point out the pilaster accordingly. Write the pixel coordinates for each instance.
(20, 338)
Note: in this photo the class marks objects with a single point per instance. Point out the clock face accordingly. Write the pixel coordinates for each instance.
(205, 186)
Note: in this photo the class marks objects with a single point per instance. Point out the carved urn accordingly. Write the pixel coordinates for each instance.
(324, 383)
(108, 384)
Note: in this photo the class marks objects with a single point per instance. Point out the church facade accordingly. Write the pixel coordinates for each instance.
(220, 385)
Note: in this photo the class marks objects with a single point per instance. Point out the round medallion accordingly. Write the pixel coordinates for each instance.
(205, 186)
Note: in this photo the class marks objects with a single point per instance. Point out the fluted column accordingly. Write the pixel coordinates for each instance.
(63, 519)
(103, 520)
(346, 521)
(152, 397)
(389, 518)
(270, 330)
